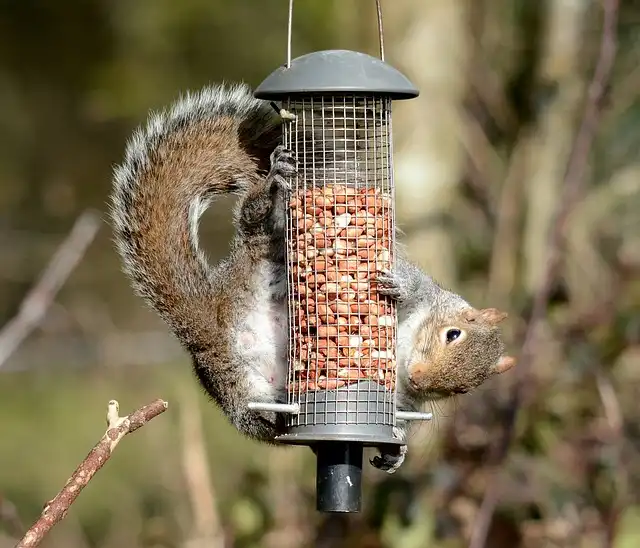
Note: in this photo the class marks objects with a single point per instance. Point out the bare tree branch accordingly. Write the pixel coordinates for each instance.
(35, 305)
(118, 427)
(572, 187)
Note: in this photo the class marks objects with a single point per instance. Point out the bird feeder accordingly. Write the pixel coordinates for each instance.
(340, 234)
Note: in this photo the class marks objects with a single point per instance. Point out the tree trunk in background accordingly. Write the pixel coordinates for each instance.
(206, 530)
(291, 527)
(428, 41)
(550, 147)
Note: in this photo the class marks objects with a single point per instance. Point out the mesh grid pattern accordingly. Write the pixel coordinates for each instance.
(340, 232)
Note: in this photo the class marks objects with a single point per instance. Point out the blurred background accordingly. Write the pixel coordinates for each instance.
(480, 160)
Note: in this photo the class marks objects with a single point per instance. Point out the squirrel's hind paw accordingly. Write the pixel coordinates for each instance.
(283, 164)
(390, 461)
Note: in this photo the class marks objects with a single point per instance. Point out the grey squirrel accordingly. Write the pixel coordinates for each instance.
(232, 317)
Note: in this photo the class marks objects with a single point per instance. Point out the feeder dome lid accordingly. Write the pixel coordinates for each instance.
(335, 72)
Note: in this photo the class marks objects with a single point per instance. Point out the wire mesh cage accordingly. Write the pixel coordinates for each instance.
(340, 234)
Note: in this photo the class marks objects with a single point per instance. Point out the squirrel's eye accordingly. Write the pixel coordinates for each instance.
(453, 334)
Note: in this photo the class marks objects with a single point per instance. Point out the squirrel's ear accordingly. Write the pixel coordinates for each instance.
(492, 316)
(470, 314)
(504, 364)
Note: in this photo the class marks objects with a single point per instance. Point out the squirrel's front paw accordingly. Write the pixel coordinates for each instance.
(283, 164)
(389, 285)
(390, 459)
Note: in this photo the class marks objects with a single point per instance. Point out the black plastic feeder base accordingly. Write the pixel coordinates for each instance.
(339, 476)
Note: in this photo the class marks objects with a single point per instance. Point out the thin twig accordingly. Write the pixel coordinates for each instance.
(572, 187)
(118, 427)
(35, 305)
(610, 404)
(615, 440)
(10, 518)
(502, 266)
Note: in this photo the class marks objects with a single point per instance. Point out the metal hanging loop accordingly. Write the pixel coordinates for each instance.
(380, 30)
(289, 33)
(290, 26)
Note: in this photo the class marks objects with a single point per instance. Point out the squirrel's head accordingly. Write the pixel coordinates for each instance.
(456, 351)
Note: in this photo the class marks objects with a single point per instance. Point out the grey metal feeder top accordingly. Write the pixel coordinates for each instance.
(336, 71)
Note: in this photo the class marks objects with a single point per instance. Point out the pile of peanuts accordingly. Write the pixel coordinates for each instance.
(344, 331)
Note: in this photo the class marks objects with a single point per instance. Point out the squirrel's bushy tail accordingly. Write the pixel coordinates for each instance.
(215, 141)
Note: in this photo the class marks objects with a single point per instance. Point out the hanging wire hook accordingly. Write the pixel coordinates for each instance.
(290, 26)
(285, 114)
(289, 33)
(380, 32)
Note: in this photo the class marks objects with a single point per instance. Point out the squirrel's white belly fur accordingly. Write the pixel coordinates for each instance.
(263, 338)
